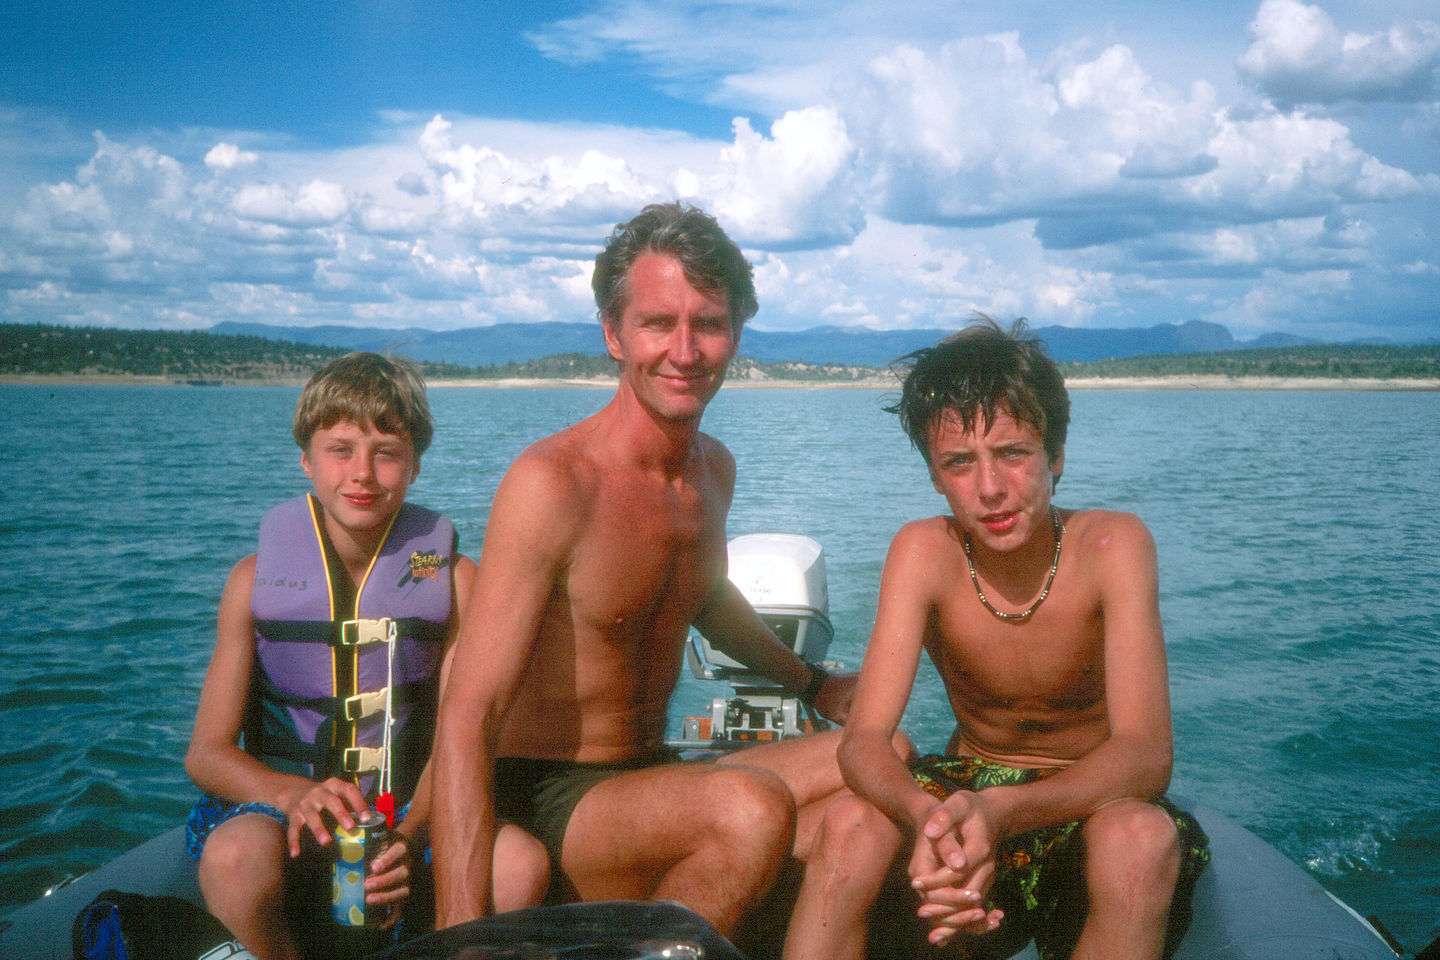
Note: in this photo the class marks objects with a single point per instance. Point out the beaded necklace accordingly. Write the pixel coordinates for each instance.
(1058, 526)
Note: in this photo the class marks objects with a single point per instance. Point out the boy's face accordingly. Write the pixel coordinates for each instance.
(360, 475)
(673, 341)
(997, 483)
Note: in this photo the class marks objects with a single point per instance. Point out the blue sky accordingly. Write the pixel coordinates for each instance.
(1271, 165)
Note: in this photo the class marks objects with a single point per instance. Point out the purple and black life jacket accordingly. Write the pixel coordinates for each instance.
(317, 705)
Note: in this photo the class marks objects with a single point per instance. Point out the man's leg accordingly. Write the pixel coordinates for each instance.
(850, 859)
(520, 871)
(1132, 862)
(709, 836)
(242, 876)
(809, 769)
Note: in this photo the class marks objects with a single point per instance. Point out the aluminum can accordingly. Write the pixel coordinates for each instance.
(355, 851)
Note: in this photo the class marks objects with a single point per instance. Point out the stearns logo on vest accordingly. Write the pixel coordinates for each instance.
(424, 566)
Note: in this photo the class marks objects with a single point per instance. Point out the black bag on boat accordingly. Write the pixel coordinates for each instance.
(128, 926)
(608, 930)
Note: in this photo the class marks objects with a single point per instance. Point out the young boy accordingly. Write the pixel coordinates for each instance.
(347, 561)
(1045, 817)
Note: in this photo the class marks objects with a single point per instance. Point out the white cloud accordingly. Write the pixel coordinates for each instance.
(795, 189)
(312, 204)
(1300, 56)
(227, 156)
(898, 178)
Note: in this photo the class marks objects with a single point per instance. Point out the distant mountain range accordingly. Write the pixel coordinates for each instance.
(519, 342)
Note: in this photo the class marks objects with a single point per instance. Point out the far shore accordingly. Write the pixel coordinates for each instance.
(1197, 382)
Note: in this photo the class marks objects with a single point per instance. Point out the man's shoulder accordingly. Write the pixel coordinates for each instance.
(559, 461)
(717, 456)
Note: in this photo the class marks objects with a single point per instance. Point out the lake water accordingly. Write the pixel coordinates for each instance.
(1298, 536)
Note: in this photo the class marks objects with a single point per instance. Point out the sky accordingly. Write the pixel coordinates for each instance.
(1269, 165)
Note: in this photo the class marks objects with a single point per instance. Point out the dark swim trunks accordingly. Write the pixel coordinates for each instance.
(1040, 876)
(540, 795)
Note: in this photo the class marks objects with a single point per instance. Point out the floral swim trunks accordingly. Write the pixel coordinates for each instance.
(1040, 876)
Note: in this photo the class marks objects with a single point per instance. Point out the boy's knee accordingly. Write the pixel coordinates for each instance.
(249, 847)
(853, 827)
(1132, 850)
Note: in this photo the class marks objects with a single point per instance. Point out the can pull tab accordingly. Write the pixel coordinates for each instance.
(385, 803)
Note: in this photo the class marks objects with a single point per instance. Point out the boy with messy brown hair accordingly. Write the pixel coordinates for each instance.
(1045, 817)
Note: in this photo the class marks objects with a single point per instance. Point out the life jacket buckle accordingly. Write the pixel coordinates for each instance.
(358, 632)
(365, 704)
(361, 759)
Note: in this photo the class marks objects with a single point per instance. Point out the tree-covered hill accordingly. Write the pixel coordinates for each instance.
(1322, 361)
(216, 358)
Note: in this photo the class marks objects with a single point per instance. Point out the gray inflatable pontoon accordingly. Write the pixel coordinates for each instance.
(1250, 904)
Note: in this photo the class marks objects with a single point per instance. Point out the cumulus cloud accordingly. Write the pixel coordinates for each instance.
(412, 183)
(312, 204)
(227, 156)
(1300, 56)
(909, 186)
(795, 189)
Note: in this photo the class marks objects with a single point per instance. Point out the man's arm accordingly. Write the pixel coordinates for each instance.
(730, 623)
(526, 544)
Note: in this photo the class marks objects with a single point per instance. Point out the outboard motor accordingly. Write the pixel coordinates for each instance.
(783, 577)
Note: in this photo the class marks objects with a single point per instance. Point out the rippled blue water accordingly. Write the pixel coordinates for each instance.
(1298, 536)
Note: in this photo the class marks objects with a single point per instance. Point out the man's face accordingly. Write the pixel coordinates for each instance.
(673, 341)
(998, 482)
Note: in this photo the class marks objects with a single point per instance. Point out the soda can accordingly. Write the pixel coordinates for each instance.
(355, 850)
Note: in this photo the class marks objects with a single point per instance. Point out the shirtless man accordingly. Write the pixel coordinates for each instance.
(606, 542)
(1049, 797)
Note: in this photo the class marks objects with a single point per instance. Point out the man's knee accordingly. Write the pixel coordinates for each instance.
(1132, 852)
(750, 803)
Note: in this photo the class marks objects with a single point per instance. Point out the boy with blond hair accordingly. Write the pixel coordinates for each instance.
(290, 734)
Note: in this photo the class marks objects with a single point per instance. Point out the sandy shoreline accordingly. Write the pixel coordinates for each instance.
(1209, 382)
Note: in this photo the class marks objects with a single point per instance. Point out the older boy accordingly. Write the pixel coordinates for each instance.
(1045, 816)
(286, 675)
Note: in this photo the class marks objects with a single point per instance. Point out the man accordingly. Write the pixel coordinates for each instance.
(606, 542)
(1045, 817)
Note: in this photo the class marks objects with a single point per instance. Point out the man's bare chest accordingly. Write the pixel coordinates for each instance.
(649, 558)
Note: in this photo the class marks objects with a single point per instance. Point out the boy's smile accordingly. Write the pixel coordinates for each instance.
(998, 483)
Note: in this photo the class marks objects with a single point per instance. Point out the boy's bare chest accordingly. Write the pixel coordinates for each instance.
(1054, 659)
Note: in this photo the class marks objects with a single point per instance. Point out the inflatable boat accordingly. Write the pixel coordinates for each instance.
(1250, 904)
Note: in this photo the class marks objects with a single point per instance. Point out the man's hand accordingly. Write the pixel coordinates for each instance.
(953, 866)
(308, 804)
(833, 700)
